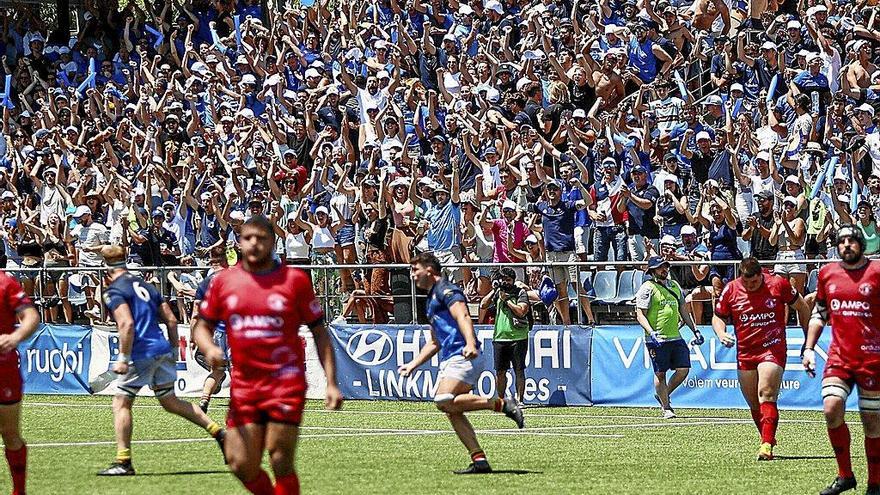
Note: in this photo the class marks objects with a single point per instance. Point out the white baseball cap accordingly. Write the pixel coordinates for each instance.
(703, 135)
(688, 230)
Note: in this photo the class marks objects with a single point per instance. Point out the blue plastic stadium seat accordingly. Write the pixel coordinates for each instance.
(605, 285)
(626, 288)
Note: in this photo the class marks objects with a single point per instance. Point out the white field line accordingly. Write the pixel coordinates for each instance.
(527, 413)
(350, 432)
(365, 433)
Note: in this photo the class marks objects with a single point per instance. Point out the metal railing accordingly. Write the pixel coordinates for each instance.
(339, 287)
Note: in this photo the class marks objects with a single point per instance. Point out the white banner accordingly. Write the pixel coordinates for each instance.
(191, 376)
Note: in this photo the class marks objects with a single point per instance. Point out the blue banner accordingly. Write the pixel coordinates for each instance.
(55, 360)
(368, 356)
(623, 376)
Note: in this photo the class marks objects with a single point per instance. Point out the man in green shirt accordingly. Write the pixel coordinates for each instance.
(510, 342)
(659, 308)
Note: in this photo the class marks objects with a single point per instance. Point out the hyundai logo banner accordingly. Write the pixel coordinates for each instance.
(55, 360)
(368, 356)
(623, 376)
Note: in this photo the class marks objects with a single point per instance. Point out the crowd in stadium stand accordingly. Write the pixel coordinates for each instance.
(488, 131)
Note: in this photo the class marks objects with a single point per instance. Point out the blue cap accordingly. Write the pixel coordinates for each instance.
(656, 262)
(158, 213)
(490, 151)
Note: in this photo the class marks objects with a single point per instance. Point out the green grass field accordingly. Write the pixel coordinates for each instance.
(408, 448)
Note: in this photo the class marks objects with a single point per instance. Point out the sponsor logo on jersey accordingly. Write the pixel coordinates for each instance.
(370, 347)
(848, 305)
(255, 322)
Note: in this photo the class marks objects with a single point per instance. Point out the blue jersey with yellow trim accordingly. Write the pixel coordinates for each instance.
(442, 296)
(143, 301)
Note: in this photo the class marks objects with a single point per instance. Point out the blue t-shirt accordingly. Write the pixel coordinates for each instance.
(143, 301)
(444, 233)
(442, 296)
(558, 222)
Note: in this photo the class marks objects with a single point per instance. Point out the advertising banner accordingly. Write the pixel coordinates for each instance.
(368, 357)
(56, 359)
(623, 376)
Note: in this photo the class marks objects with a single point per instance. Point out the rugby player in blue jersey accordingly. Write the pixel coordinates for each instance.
(146, 357)
(213, 381)
(452, 335)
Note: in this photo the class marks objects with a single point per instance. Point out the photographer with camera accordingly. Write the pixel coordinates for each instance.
(513, 321)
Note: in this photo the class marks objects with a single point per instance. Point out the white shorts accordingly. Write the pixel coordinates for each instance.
(458, 368)
(790, 268)
(150, 372)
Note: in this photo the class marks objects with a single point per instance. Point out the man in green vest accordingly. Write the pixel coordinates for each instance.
(510, 341)
(659, 308)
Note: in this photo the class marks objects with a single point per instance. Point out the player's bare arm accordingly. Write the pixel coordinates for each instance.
(333, 399)
(719, 326)
(431, 348)
(28, 321)
(814, 331)
(803, 312)
(125, 327)
(459, 311)
(171, 324)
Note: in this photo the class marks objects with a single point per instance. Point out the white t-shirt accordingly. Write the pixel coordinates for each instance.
(51, 201)
(95, 234)
(364, 98)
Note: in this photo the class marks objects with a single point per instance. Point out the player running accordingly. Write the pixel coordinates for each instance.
(15, 307)
(214, 381)
(452, 335)
(263, 304)
(146, 357)
(755, 303)
(848, 298)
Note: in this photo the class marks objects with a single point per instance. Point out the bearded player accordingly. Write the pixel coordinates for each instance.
(755, 303)
(263, 304)
(848, 298)
(452, 335)
(15, 307)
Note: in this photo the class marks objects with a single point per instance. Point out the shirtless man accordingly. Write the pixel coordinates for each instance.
(706, 11)
(606, 80)
(858, 73)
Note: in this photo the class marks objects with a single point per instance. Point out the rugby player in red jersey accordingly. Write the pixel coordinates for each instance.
(755, 303)
(848, 298)
(15, 307)
(264, 303)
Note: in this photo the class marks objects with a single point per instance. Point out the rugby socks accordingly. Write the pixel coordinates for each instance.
(769, 422)
(872, 452)
(261, 485)
(123, 455)
(840, 440)
(287, 484)
(17, 460)
(478, 456)
(756, 417)
(213, 429)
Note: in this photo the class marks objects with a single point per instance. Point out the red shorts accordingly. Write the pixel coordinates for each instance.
(750, 361)
(10, 382)
(865, 375)
(288, 410)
